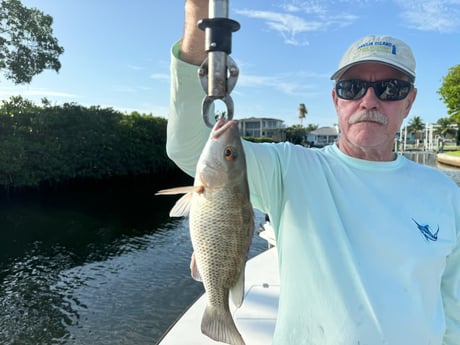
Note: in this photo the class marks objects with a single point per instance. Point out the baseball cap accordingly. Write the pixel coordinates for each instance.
(383, 49)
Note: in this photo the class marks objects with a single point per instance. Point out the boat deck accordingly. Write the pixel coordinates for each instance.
(255, 319)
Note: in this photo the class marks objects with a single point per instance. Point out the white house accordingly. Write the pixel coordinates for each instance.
(262, 127)
(323, 136)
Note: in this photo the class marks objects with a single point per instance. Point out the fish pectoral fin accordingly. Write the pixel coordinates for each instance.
(182, 207)
(237, 291)
(194, 269)
(176, 190)
(218, 324)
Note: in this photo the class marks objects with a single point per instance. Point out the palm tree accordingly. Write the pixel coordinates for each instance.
(416, 126)
(302, 112)
(445, 127)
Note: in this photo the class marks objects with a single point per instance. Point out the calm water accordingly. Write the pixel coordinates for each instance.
(102, 270)
(430, 159)
(76, 270)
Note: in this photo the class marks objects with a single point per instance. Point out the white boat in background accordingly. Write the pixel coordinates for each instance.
(255, 319)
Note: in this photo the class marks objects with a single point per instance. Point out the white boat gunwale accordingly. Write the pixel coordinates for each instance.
(255, 319)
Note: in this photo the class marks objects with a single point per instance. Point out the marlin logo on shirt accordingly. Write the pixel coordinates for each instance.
(427, 232)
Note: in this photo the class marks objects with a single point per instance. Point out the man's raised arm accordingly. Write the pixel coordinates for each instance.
(187, 132)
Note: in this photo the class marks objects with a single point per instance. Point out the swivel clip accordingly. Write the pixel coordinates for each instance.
(218, 73)
(218, 87)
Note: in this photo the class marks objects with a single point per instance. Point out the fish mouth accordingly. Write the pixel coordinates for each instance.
(221, 127)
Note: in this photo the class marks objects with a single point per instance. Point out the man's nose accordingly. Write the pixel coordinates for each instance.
(370, 99)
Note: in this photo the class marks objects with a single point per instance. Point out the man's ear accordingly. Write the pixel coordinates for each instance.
(410, 101)
(335, 99)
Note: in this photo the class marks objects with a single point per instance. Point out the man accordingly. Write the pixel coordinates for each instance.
(367, 253)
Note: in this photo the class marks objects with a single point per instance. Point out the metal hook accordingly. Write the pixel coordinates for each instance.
(207, 106)
(215, 91)
(218, 73)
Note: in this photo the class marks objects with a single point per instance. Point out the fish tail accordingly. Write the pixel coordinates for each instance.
(219, 325)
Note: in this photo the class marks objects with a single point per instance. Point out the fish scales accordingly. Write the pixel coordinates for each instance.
(221, 227)
(224, 233)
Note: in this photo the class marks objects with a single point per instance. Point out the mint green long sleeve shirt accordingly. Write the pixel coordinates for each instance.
(369, 252)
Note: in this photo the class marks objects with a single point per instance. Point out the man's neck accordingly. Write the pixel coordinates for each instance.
(380, 154)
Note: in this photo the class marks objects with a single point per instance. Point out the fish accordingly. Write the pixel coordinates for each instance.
(221, 221)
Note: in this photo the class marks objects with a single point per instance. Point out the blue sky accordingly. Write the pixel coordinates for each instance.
(117, 53)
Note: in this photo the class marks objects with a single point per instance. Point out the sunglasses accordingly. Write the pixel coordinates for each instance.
(385, 90)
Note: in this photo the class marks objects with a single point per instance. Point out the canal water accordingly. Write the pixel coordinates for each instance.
(97, 270)
(94, 270)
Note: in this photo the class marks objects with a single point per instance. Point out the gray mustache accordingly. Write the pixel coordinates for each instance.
(368, 115)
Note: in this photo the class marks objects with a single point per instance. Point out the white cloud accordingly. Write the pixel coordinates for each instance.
(288, 25)
(135, 67)
(431, 15)
(6, 92)
(299, 19)
(294, 19)
(309, 7)
(130, 89)
(160, 76)
(288, 84)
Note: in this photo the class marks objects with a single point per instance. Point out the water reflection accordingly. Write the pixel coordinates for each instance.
(31, 310)
(93, 271)
(50, 248)
(429, 158)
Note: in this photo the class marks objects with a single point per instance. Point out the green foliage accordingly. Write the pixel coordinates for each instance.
(311, 127)
(453, 153)
(27, 44)
(446, 127)
(450, 92)
(259, 139)
(296, 134)
(51, 144)
(416, 124)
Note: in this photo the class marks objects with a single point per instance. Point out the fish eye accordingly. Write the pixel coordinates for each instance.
(228, 153)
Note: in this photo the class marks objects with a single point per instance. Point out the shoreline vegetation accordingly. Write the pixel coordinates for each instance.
(47, 148)
(453, 153)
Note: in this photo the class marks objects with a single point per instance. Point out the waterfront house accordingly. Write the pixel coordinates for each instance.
(266, 127)
(323, 136)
